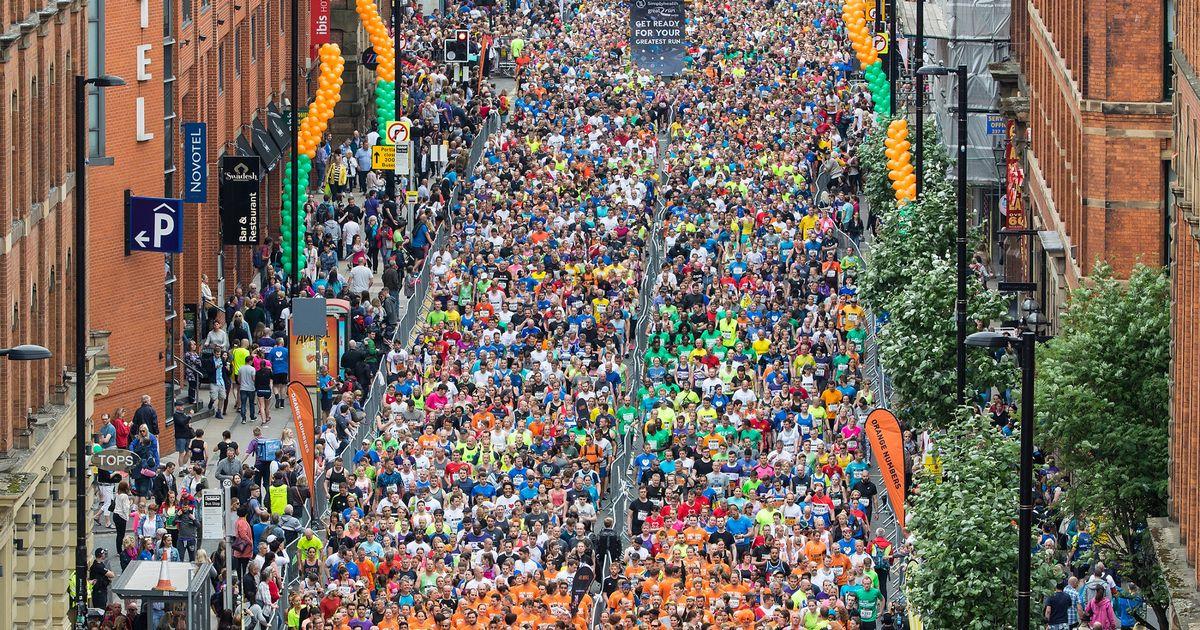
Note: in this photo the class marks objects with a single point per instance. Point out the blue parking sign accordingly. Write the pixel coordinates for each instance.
(154, 224)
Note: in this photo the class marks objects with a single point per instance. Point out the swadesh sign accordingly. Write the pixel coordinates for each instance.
(656, 35)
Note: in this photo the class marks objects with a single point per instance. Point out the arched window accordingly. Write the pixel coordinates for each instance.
(33, 300)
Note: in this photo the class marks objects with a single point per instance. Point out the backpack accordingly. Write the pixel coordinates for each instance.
(264, 450)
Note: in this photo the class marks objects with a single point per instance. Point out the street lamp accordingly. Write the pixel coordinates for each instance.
(81, 464)
(991, 339)
(25, 352)
(960, 302)
(919, 97)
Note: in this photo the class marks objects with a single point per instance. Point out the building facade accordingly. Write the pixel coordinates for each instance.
(1094, 134)
(1185, 284)
(223, 63)
(42, 48)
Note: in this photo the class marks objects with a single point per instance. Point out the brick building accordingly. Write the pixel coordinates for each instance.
(1090, 90)
(1185, 281)
(42, 46)
(224, 63)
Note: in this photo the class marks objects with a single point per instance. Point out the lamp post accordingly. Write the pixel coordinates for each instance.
(294, 86)
(919, 103)
(81, 428)
(960, 232)
(1033, 321)
(990, 339)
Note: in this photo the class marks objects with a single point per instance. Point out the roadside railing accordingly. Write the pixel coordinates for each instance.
(317, 510)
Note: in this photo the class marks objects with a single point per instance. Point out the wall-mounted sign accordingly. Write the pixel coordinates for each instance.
(154, 225)
(195, 162)
(240, 176)
(318, 11)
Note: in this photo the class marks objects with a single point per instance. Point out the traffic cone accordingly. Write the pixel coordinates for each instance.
(164, 578)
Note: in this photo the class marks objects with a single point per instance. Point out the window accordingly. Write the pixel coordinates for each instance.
(267, 23)
(95, 98)
(53, 278)
(205, 5)
(1168, 45)
(237, 52)
(33, 301)
(186, 10)
(253, 38)
(221, 66)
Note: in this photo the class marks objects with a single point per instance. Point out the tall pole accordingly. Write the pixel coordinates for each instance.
(960, 303)
(1025, 516)
(81, 467)
(295, 183)
(893, 54)
(396, 97)
(919, 103)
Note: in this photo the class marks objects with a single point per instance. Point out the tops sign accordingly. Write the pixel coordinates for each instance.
(195, 162)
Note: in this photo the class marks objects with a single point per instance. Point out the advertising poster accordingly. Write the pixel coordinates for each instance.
(656, 35)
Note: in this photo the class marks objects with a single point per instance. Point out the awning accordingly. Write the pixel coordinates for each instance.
(279, 128)
(244, 147)
(1051, 242)
(264, 144)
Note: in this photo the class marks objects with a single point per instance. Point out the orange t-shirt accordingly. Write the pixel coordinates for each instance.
(814, 550)
(695, 536)
(841, 566)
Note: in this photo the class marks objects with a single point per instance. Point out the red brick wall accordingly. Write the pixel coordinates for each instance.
(36, 173)
(1185, 287)
(262, 80)
(130, 287)
(1100, 157)
(126, 292)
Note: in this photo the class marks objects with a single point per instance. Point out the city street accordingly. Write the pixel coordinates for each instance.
(600, 314)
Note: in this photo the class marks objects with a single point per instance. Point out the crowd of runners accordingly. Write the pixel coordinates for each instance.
(639, 357)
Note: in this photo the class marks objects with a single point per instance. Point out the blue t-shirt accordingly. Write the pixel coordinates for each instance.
(740, 525)
(279, 359)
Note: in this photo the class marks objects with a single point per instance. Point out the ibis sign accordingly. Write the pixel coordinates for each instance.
(115, 460)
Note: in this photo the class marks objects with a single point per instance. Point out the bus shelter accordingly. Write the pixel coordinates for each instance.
(178, 586)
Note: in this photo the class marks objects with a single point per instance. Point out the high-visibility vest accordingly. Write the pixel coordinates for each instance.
(279, 501)
(728, 328)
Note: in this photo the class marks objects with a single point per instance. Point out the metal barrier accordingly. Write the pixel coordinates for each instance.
(620, 471)
(317, 510)
(883, 515)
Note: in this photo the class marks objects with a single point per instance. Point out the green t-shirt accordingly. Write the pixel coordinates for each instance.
(626, 416)
(868, 604)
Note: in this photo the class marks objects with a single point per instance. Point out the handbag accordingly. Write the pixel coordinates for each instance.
(240, 545)
(146, 472)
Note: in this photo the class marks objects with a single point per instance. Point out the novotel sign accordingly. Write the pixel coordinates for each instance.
(195, 162)
(115, 460)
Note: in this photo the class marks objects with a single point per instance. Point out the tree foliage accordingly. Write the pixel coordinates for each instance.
(1102, 409)
(963, 523)
(918, 344)
(911, 279)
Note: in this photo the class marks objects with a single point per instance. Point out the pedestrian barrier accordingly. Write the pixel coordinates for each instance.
(403, 335)
(883, 516)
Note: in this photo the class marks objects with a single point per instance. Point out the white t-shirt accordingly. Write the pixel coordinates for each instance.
(360, 278)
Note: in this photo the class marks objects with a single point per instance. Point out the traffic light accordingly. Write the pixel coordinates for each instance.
(458, 47)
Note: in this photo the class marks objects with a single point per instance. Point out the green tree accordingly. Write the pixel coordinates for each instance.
(918, 345)
(965, 550)
(1102, 408)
